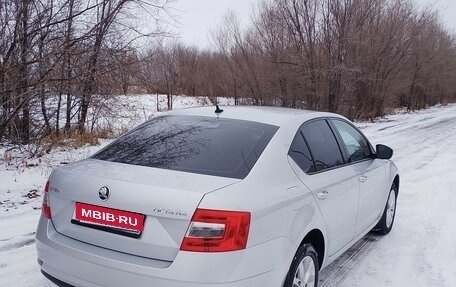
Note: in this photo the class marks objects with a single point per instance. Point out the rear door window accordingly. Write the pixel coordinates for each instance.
(322, 144)
(204, 145)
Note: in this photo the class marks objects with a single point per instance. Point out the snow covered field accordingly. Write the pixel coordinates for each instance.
(420, 250)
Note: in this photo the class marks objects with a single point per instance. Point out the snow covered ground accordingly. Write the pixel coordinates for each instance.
(120, 113)
(420, 250)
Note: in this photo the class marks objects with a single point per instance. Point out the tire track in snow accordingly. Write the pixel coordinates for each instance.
(413, 143)
(338, 270)
(19, 244)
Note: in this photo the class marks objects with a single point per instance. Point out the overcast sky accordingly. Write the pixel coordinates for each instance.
(198, 17)
(447, 9)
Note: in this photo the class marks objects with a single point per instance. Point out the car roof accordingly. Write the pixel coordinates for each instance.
(269, 115)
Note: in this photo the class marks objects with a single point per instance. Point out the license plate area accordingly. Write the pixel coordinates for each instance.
(116, 221)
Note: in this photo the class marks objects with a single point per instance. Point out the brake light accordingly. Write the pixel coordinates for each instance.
(45, 208)
(217, 231)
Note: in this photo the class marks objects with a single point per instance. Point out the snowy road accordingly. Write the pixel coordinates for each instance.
(420, 250)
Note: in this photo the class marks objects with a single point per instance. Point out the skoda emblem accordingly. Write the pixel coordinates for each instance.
(104, 193)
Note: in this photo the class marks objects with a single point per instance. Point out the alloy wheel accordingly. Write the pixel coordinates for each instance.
(305, 273)
(390, 208)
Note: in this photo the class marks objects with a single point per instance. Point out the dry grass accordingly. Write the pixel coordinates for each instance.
(86, 139)
(74, 139)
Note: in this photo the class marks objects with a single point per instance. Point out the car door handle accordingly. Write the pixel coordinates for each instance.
(323, 195)
(363, 178)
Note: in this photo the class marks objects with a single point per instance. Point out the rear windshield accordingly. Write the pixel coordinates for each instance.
(220, 147)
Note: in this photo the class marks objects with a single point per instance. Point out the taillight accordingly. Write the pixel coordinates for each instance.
(45, 208)
(217, 231)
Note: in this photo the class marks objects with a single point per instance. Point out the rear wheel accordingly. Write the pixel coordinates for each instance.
(385, 224)
(304, 268)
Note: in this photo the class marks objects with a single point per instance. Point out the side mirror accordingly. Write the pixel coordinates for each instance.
(383, 151)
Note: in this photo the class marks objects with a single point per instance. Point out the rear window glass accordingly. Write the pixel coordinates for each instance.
(220, 147)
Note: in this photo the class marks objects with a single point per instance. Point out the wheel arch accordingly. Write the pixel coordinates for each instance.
(396, 182)
(316, 238)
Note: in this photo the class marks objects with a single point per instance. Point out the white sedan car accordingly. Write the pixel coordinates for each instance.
(248, 196)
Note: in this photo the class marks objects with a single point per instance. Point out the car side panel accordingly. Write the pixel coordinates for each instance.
(280, 204)
(373, 187)
(339, 208)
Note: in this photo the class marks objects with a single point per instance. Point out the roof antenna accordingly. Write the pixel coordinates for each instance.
(218, 110)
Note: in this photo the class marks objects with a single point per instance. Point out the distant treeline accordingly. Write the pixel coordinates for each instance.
(354, 57)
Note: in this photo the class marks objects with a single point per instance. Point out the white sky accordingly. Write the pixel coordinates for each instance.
(446, 8)
(198, 17)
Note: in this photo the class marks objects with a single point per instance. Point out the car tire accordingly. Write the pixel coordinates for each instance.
(385, 224)
(304, 268)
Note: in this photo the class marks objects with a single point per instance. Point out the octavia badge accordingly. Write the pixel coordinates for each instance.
(104, 193)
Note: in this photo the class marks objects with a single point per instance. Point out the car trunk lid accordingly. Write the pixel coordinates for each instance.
(166, 198)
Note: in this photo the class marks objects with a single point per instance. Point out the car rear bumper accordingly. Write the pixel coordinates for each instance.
(69, 262)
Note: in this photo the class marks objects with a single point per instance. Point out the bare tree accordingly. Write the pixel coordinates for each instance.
(54, 55)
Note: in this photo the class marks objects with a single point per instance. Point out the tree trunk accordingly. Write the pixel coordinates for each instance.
(67, 65)
(24, 123)
(89, 81)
